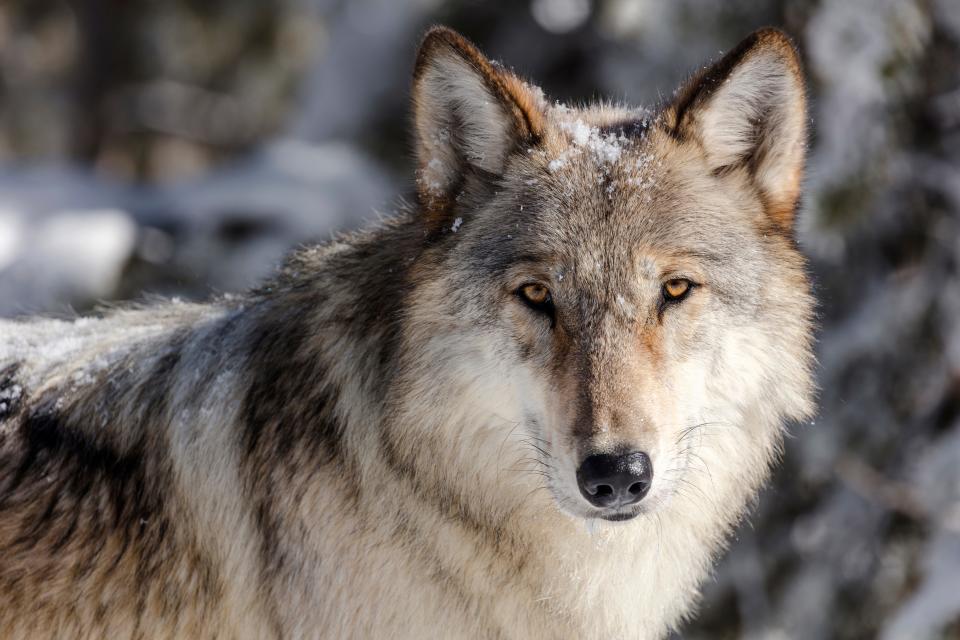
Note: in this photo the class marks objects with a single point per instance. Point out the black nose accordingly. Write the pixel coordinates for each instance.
(615, 480)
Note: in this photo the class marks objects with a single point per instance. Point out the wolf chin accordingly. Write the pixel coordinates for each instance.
(533, 405)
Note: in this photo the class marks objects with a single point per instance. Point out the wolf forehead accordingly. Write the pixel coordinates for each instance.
(599, 191)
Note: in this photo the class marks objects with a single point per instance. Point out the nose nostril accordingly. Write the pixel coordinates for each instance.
(603, 490)
(638, 487)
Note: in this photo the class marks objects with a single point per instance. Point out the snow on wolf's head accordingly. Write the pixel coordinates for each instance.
(611, 304)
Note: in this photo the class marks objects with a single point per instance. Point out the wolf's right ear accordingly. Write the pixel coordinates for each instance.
(748, 111)
(469, 115)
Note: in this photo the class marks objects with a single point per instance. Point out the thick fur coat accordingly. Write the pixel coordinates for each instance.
(384, 439)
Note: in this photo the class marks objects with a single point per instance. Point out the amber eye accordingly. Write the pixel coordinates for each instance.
(535, 293)
(676, 289)
(537, 297)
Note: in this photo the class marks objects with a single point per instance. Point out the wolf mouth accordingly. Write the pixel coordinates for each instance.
(619, 516)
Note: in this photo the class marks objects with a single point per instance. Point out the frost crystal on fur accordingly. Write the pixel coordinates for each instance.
(604, 148)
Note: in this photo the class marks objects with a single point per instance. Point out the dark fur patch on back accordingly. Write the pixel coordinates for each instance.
(91, 510)
(287, 405)
(289, 431)
(67, 489)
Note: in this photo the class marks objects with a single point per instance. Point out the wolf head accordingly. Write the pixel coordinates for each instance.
(611, 304)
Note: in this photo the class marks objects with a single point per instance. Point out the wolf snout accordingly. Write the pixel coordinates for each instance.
(610, 480)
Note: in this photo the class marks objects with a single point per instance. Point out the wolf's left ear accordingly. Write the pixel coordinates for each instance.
(749, 111)
(469, 115)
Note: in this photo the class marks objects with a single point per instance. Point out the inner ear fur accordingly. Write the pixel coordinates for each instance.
(748, 110)
(469, 115)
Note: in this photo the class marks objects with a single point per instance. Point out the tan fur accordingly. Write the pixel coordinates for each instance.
(382, 441)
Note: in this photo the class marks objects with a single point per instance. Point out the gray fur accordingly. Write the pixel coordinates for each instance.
(380, 441)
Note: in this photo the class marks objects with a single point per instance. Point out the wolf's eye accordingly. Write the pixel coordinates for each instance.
(676, 289)
(537, 297)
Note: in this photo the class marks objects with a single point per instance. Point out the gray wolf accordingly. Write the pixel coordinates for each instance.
(533, 405)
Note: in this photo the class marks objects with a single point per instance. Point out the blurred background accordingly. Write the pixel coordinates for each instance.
(181, 147)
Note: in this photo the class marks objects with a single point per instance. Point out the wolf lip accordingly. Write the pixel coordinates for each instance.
(620, 516)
